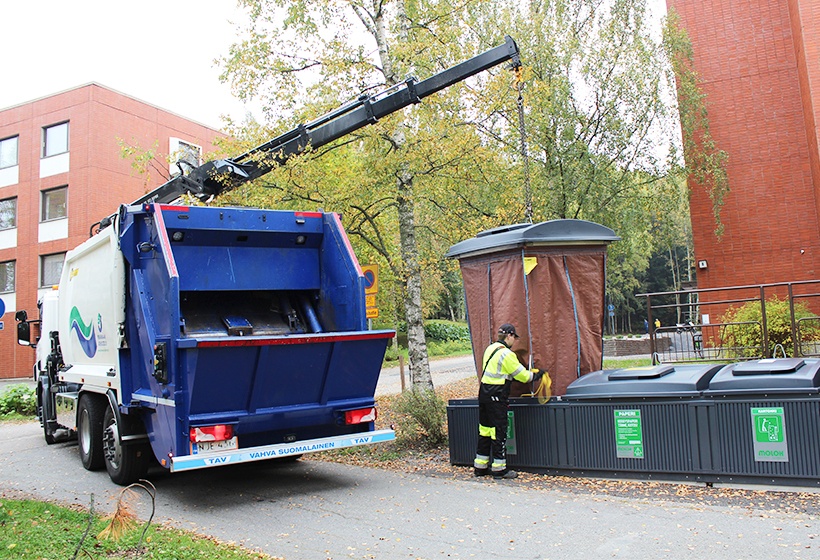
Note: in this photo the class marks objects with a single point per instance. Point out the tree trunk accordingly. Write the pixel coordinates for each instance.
(420, 376)
(416, 341)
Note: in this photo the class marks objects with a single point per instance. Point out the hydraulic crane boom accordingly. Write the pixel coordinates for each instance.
(219, 176)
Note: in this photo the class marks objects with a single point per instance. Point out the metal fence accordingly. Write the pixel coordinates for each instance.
(787, 325)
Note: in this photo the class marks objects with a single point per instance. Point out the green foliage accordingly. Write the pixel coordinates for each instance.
(600, 123)
(31, 530)
(439, 349)
(746, 340)
(428, 413)
(435, 349)
(446, 330)
(18, 399)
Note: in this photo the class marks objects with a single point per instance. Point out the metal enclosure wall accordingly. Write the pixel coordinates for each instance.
(708, 435)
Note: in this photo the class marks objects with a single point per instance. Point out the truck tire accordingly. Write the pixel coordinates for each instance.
(90, 412)
(125, 463)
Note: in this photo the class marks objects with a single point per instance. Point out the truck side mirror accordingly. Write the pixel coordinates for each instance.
(21, 315)
(24, 333)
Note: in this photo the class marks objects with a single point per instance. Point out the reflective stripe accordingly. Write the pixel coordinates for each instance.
(481, 462)
(486, 431)
(499, 466)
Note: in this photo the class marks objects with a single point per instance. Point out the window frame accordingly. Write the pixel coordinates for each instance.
(179, 147)
(14, 224)
(44, 206)
(45, 151)
(13, 264)
(16, 137)
(43, 258)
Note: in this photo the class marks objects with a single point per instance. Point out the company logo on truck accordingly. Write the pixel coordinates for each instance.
(85, 333)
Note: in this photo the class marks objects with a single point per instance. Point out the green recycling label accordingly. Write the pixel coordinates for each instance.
(628, 434)
(769, 434)
(510, 433)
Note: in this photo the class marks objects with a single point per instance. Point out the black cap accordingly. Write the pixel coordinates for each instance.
(507, 328)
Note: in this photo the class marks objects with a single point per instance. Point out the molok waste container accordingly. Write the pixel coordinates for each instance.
(766, 420)
(756, 421)
(647, 419)
(531, 435)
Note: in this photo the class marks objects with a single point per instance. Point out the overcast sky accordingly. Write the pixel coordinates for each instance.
(159, 51)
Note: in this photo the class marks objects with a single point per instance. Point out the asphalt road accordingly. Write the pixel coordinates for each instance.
(443, 371)
(310, 509)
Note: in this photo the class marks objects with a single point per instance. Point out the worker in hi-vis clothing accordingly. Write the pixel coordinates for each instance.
(501, 366)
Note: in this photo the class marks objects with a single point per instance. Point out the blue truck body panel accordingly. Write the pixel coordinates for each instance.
(249, 318)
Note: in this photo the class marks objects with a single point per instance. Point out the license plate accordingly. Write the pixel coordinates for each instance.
(215, 446)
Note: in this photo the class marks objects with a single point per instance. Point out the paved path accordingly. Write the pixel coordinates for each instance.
(313, 510)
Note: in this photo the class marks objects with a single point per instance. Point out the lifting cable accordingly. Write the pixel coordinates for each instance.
(519, 82)
(544, 389)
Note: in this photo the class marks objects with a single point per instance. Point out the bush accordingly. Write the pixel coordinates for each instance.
(449, 348)
(446, 330)
(19, 399)
(427, 412)
(747, 340)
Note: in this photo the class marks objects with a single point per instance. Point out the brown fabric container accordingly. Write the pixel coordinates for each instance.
(548, 280)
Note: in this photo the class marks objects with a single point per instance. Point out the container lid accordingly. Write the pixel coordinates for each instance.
(553, 232)
(663, 380)
(773, 375)
(648, 372)
(769, 366)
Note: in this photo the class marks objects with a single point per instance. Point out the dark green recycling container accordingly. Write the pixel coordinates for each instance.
(766, 420)
(755, 421)
(641, 420)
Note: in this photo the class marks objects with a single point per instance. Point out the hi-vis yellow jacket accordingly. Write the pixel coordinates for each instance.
(501, 365)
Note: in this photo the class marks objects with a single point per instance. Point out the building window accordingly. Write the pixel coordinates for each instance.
(54, 204)
(8, 152)
(51, 266)
(55, 139)
(8, 213)
(6, 277)
(185, 155)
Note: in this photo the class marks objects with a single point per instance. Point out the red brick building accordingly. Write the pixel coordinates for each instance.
(61, 171)
(759, 62)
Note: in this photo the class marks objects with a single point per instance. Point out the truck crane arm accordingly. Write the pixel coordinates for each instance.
(219, 176)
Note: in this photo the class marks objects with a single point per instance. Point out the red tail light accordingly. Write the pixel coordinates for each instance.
(219, 432)
(360, 416)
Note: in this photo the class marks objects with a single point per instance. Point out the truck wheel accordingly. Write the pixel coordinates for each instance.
(90, 413)
(125, 463)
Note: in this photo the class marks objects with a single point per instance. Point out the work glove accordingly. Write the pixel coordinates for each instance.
(536, 374)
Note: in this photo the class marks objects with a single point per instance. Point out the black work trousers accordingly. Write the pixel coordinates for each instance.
(492, 430)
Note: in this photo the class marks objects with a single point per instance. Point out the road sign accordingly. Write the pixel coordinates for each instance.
(370, 300)
(372, 313)
(2, 307)
(371, 278)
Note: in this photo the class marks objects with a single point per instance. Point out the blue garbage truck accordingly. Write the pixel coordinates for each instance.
(197, 336)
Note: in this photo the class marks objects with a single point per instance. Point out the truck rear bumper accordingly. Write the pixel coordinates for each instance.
(203, 461)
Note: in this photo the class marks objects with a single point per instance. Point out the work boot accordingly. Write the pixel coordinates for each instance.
(505, 474)
(482, 472)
